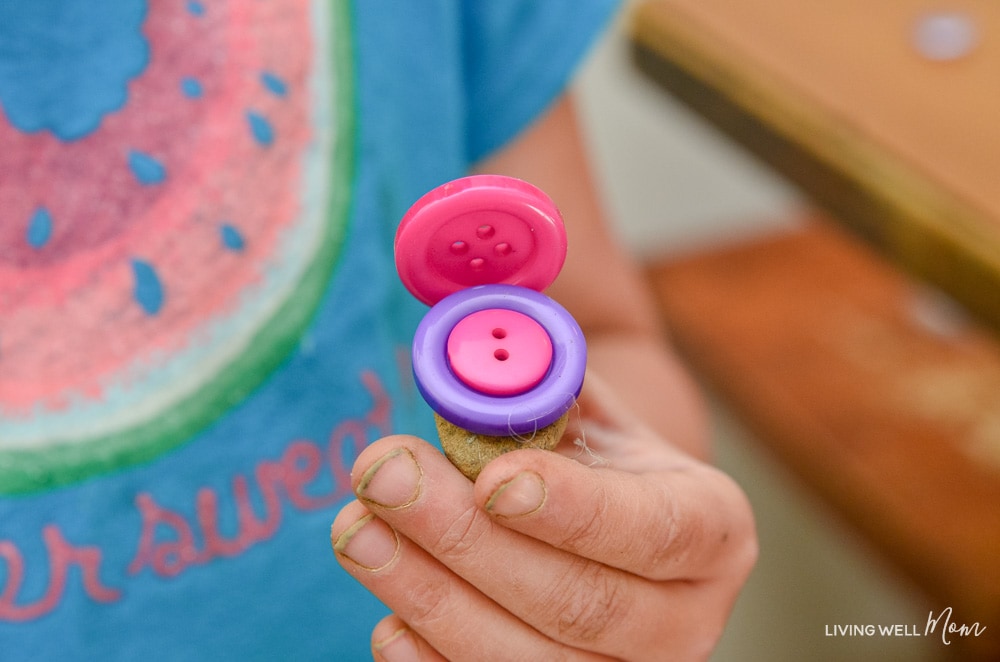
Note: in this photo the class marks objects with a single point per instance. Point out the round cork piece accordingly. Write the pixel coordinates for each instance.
(470, 452)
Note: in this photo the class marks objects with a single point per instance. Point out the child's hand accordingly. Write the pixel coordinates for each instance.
(638, 556)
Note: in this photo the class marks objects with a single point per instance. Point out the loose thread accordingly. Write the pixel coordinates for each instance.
(581, 443)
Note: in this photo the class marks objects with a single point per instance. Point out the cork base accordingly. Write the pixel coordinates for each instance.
(471, 452)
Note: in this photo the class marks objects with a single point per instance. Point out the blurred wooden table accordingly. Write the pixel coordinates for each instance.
(837, 96)
(854, 380)
(868, 389)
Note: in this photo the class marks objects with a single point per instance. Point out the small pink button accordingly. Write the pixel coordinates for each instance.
(499, 352)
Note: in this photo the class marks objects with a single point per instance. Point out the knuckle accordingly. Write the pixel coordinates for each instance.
(587, 530)
(670, 538)
(428, 603)
(587, 603)
(681, 537)
(462, 536)
(746, 555)
(740, 538)
(751, 555)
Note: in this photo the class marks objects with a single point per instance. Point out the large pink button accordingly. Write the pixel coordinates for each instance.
(479, 230)
(499, 352)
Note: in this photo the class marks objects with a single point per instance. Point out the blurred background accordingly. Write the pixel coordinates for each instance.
(675, 185)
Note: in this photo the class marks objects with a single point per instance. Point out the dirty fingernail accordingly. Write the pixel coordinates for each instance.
(522, 495)
(398, 647)
(393, 481)
(369, 542)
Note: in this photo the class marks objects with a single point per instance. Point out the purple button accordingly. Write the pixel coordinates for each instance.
(474, 408)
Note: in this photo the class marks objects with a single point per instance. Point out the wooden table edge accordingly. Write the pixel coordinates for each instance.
(925, 229)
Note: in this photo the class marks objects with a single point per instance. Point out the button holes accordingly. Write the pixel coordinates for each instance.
(459, 248)
(477, 263)
(502, 249)
(501, 355)
(499, 333)
(485, 231)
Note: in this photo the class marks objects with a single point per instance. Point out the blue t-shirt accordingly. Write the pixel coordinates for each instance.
(200, 319)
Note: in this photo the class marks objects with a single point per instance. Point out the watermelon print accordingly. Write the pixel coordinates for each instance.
(171, 208)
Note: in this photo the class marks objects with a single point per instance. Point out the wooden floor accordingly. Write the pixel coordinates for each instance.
(882, 398)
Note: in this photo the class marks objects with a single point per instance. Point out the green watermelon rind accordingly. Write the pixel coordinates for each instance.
(29, 471)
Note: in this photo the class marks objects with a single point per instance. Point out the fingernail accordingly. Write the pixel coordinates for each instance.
(393, 481)
(369, 542)
(398, 647)
(522, 495)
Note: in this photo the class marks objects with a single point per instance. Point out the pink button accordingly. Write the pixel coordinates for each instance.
(499, 352)
(479, 230)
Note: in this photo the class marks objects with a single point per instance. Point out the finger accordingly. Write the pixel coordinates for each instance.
(393, 640)
(602, 432)
(448, 613)
(689, 523)
(571, 599)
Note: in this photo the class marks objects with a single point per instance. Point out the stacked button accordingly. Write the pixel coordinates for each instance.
(494, 355)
